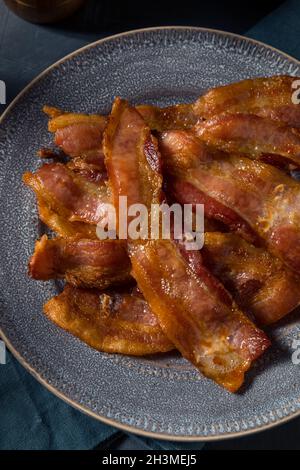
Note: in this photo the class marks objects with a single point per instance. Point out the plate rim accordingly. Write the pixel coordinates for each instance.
(20, 358)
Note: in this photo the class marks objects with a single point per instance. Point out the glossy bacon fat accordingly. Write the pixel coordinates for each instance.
(193, 312)
(180, 116)
(68, 193)
(266, 199)
(81, 262)
(182, 150)
(215, 153)
(75, 133)
(52, 217)
(81, 134)
(216, 337)
(131, 157)
(113, 322)
(269, 97)
(92, 168)
(80, 139)
(259, 282)
(254, 136)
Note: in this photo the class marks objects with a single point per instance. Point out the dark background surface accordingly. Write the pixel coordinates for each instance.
(27, 49)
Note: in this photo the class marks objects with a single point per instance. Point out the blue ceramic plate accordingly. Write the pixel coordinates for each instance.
(161, 396)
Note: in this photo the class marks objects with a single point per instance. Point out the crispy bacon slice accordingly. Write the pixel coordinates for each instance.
(81, 262)
(187, 193)
(81, 134)
(61, 119)
(181, 150)
(78, 135)
(260, 283)
(179, 116)
(82, 139)
(214, 335)
(114, 322)
(253, 136)
(131, 157)
(91, 168)
(60, 225)
(52, 111)
(67, 193)
(267, 199)
(217, 338)
(267, 97)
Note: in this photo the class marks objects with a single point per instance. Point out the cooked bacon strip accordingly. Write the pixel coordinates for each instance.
(61, 226)
(215, 336)
(81, 262)
(260, 283)
(179, 116)
(62, 120)
(113, 322)
(267, 199)
(82, 139)
(131, 157)
(267, 97)
(68, 194)
(81, 134)
(183, 150)
(78, 135)
(186, 193)
(253, 136)
(52, 111)
(91, 168)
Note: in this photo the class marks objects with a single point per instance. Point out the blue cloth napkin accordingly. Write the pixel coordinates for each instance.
(281, 28)
(33, 418)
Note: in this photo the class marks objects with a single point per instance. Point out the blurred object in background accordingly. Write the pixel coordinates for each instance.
(110, 17)
(44, 11)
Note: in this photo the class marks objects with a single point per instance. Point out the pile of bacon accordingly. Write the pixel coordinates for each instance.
(233, 150)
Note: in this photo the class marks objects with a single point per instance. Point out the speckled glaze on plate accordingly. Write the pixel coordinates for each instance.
(161, 396)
